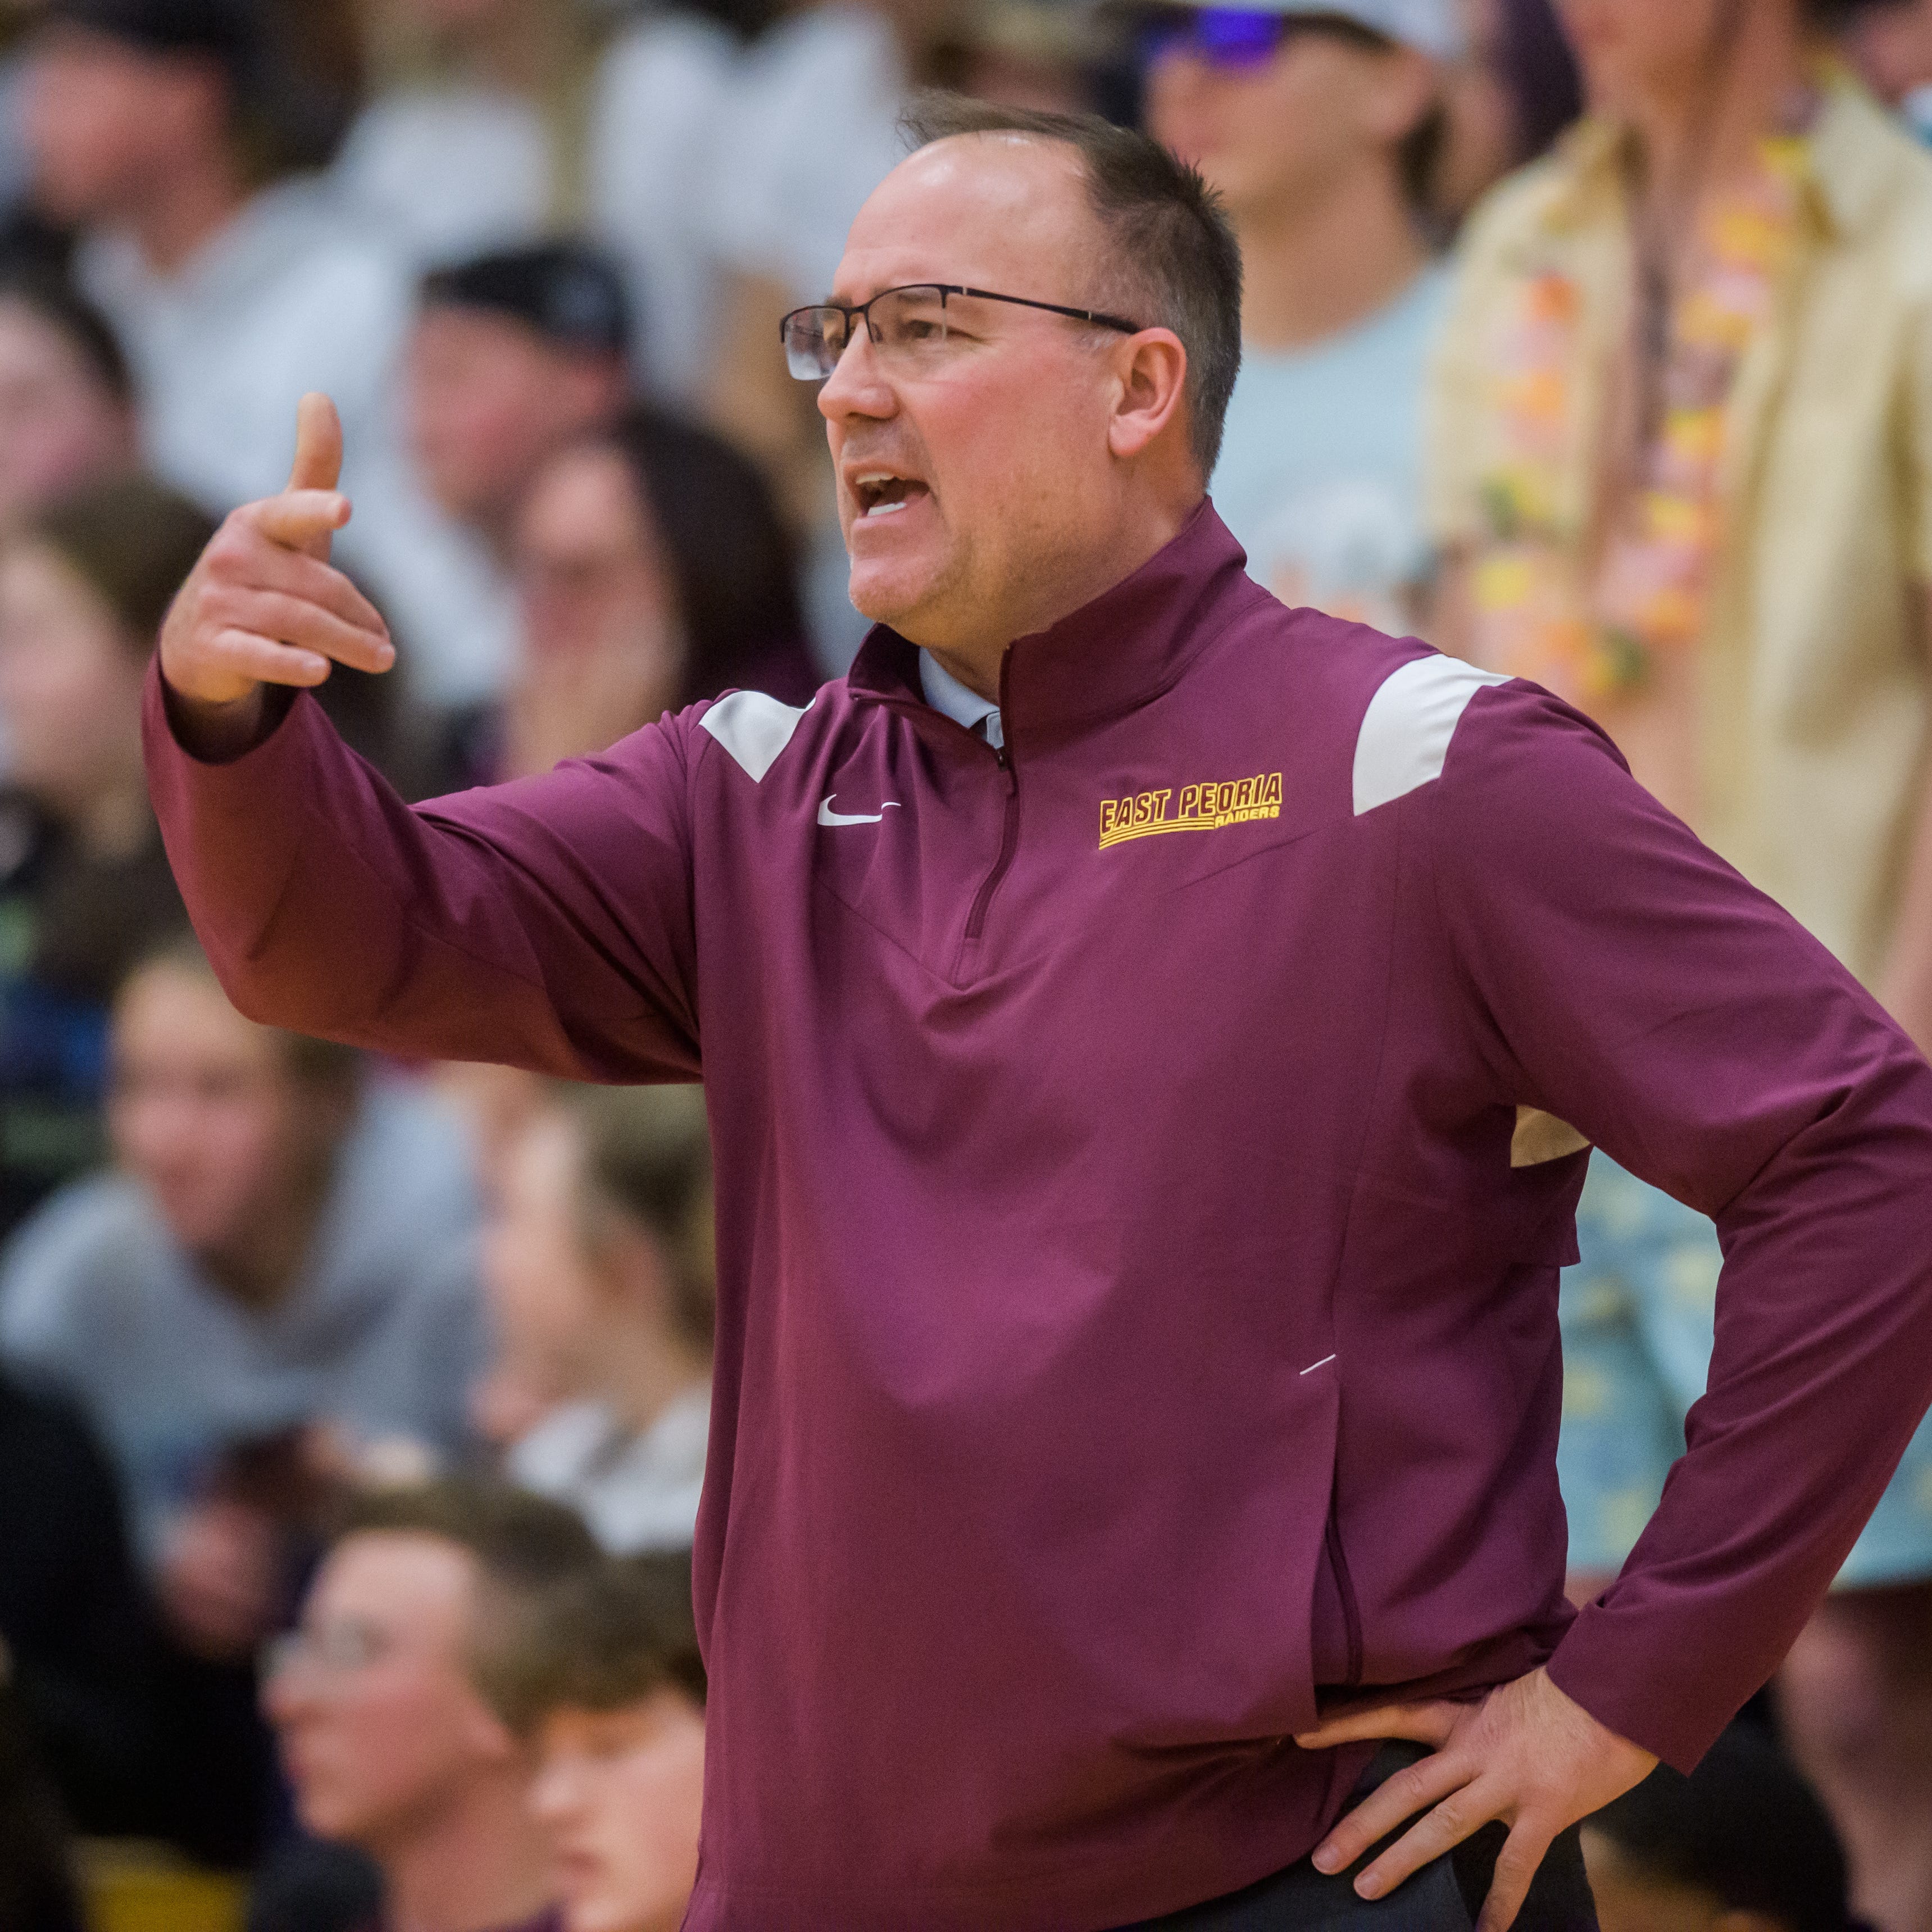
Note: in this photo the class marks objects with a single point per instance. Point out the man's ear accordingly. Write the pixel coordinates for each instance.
(1151, 369)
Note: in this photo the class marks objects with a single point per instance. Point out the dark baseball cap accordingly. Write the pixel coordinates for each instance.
(572, 294)
(223, 30)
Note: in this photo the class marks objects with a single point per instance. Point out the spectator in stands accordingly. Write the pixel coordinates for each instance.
(85, 886)
(1034, 54)
(1515, 89)
(512, 354)
(653, 570)
(162, 129)
(1319, 125)
(287, 1245)
(73, 1619)
(498, 121)
(67, 404)
(607, 1677)
(1682, 468)
(1742, 1845)
(600, 1265)
(387, 1742)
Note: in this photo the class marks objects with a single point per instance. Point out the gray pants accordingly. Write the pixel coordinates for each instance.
(1444, 1896)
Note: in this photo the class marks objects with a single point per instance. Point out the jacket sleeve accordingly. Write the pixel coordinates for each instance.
(1625, 979)
(545, 924)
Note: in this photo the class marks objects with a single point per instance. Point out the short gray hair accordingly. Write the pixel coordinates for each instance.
(1175, 262)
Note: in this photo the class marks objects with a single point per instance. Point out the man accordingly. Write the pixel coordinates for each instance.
(1687, 485)
(159, 129)
(387, 1743)
(1317, 121)
(513, 354)
(604, 1674)
(1137, 1024)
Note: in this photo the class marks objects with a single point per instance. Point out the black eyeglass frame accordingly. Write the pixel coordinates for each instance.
(851, 310)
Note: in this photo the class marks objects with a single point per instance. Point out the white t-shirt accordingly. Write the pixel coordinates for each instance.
(293, 295)
(450, 171)
(636, 1492)
(663, 87)
(810, 129)
(1320, 475)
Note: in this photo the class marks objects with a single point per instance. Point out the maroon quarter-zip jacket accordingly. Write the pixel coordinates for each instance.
(1143, 1172)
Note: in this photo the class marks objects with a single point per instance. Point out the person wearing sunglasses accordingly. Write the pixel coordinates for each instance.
(1319, 124)
(1150, 1038)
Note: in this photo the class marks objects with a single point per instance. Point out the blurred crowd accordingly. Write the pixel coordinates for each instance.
(353, 1415)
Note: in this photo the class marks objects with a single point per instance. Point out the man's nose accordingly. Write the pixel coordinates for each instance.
(857, 387)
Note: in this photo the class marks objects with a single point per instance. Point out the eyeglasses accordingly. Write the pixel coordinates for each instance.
(912, 324)
(1231, 38)
(329, 1650)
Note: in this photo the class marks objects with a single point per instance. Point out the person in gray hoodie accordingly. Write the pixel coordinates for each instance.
(281, 1269)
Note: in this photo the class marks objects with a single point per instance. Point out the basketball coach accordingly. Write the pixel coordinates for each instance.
(1152, 1040)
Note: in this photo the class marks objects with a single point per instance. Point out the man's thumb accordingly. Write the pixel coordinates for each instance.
(318, 445)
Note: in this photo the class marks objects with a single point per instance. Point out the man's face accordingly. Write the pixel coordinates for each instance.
(488, 399)
(1634, 52)
(203, 1109)
(104, 121)
(620, 1792)
(379, 1729)
(1280, 132)
(997, 451)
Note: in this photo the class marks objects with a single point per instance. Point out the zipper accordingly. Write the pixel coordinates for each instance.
(1009, 831)
(1009, 840)
(1344, 1588)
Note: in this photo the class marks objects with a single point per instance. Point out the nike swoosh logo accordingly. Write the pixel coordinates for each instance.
(826, 816)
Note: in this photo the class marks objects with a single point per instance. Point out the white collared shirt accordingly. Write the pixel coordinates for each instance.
(944, 692)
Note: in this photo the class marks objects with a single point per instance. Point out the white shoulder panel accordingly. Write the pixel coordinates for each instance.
(754, 728)
(1406, 729)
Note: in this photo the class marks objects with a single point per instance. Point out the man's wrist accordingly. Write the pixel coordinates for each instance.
(217, 734)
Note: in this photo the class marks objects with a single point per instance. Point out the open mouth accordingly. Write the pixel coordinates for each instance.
(880, 494)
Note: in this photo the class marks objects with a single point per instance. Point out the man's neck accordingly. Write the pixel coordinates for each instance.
(182, 214)
(1700, 130)
(1141, 530)
(1311, 269)
(481, 1865)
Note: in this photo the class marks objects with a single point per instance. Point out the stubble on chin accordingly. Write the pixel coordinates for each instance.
(921, 607)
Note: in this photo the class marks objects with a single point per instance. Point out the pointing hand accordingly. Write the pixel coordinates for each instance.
(264, 605)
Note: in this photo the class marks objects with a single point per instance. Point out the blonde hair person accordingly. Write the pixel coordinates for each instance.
(602, 1281)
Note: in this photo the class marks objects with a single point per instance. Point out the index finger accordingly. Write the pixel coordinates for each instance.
(1427, 1723)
